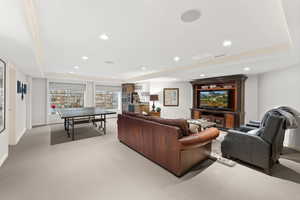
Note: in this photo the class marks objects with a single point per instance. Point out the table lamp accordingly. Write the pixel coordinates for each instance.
(153, 97)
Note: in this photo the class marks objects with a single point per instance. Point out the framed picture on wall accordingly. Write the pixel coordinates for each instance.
(25, 89)
(19, 87)
(171, 96)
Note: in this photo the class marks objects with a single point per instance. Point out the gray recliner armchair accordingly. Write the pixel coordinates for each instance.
(292, 119)
(261, 147)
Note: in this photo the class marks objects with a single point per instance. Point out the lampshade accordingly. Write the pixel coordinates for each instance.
(153, 97)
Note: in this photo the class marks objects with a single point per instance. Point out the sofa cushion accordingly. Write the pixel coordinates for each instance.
(180, 123)
(194, 128)
(132, 114)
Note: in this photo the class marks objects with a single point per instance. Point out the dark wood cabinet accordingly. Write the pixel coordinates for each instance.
(154, 114)
(231, 117)
(127, 91)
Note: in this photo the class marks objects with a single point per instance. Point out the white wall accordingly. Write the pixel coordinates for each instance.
(29, 102)
(251, 98)
(280, 88)
(21, 113)
(39, 101)
(11, 104)
(185, 99)
(16, 113)
(3, 146)
(4, 135)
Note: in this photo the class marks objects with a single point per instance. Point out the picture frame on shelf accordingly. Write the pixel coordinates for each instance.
(171, 96)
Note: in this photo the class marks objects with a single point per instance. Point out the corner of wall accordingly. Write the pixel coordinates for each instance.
(3, 159)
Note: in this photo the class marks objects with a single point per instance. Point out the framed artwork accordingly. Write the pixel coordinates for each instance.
(19, 87)
(2, 95)
(25, 89)
(171, 96)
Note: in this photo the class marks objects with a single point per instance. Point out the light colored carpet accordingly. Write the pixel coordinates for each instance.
(102, 168)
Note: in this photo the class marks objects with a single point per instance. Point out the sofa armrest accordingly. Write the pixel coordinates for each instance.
(201, 137)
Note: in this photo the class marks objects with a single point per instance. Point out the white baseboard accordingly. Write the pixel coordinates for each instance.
(296, 148)
(19, 137)
(3, 159)
(293, 147)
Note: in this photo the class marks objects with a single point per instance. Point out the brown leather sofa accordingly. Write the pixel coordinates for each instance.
(166, 142)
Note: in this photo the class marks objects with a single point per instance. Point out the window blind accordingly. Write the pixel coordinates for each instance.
(71, 87)
(107, 88)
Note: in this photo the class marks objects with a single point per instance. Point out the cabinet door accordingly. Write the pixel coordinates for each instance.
(196, 114)
(229, 120)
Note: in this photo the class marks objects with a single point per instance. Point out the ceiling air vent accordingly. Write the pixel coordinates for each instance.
(220, 55)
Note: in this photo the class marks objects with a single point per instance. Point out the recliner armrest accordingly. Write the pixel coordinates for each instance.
(244, 137)
(232, 131)
(246, 128)
(201, 137)
(253, 125)
(255, 122)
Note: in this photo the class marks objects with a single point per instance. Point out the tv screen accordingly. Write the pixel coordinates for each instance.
(215, 99)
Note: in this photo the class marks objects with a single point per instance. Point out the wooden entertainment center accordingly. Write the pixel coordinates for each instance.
(234, 87)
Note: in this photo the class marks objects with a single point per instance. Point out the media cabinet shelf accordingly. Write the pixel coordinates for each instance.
(215, 111)
(224, 118)
(215, 89)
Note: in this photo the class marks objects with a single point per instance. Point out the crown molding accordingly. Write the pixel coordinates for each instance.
(216, 61)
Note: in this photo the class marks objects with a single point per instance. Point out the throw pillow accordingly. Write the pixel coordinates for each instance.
(194, 128)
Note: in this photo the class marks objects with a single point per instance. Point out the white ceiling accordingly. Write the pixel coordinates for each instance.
(264, 34)
(16, 43)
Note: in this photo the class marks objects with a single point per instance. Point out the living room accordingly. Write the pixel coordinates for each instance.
(124, 100)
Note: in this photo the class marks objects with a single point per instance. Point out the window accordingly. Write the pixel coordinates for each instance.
(108, 97)
(66, 95)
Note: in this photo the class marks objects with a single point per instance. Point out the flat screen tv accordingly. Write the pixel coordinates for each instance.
(217, 99)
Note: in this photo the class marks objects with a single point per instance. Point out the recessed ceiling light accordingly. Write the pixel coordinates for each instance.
(227, 43)
(176, 58)
(85, 58)
(247, 68)
(190, 15)
(109, 62)
(71, 72)
(104, 36)
(76, 67)
(202, 75)
(143, 68)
